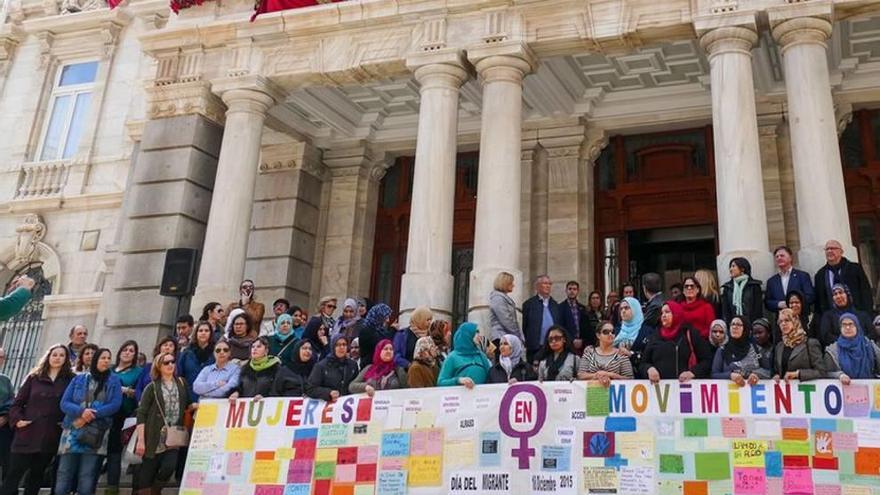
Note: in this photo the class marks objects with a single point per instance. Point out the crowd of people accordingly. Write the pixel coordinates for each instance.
(85, 410)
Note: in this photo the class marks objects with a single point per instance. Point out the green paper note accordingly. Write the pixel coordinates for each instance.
(598, 399)
(696, 427)
(325, 470)
(712, 465)
(793, 447)
(671, 463)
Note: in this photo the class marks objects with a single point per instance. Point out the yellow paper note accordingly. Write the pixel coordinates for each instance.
(265, 472)
(425, 471)
(855, 490)
(460, 453)
(424, 419)
(749, 453)
(636, 447)
(240, 439)
(877, 396)
(325, 455)
(206, 416)
(284, 454)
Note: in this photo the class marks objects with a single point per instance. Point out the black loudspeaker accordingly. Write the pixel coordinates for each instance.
(179, 275)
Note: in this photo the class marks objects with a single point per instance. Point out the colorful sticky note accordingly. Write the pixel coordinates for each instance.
(616, 423)
(855, 401)
(773, 463)
(598, 400)
(333, 435)
(749, 481)
(843, 441)
(695, 488)
(867, 461)
(696, 427)
(797, 481)
(749, 453)
(240, 439)
(598, 444)
(425, 471)
(325, 470)
(733, 427)
(391, 483)
(793, 447)
(712, 465)
(265, 472)
(395, 444)
(671, 463)
(206, 415)
(457, 453)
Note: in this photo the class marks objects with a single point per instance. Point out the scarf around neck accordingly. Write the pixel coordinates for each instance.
(674, 329)
(739, 283)
(855, 354)
(629, 330)
(380, 369)
(263, 363)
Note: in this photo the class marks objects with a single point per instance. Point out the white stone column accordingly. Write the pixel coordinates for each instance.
(428, 279)
(818, 176)
(742, 218)
(229, 222)
(497, 233)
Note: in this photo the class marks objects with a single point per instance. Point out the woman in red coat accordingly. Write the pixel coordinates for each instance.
(698, 313)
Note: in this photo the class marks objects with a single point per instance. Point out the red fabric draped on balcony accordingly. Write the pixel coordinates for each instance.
(265, 6)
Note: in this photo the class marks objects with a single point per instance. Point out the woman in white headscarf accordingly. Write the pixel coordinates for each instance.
(510, 365)
(346, 323)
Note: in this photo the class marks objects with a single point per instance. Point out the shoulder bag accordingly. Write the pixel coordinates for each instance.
(92, 434)
(174, 437)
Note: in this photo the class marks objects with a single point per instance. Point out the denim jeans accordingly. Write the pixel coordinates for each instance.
(77, 473)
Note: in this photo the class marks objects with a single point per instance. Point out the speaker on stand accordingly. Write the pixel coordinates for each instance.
(179, 274)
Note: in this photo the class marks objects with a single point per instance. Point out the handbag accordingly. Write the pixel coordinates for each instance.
(129, 456)
(174, 437)
(92, 434)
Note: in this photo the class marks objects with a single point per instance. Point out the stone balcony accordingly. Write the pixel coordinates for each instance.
(42, 179)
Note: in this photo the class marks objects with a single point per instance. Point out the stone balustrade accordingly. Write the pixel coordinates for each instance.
(42, 179)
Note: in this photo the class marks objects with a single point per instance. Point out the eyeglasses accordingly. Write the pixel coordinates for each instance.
(606, 331)
(690, 286)
(331, 306)
(166, 363)
(556, 338)
(218, 350)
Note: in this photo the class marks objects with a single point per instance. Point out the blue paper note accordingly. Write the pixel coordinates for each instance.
(305, 433)
(822, 424)
(616, 461)
(297, 489)
(620, 424)
(391, 483)
(773, 464)
(555, 458)
(490, 449)
(395, 444)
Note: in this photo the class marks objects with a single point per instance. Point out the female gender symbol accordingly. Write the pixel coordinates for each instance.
(523, 452)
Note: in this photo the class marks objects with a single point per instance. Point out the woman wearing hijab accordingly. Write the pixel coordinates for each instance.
(371, 329)
(741, 295)
(405, 340)
(634, 332)
(559, 363)
(331, 376)
(829, 328)
(239, 335)
(852, 356)
(292, 379)
(466, 364)
(678, 351)
(797, 357)
(282, 342)
(510, 364)
(346, 323)
(603, 362)
(738, 360)
(794, 300)
(762, 335)
(441, 334)
(382, 374)
(424, 369)
(316, 333)
(717, 335)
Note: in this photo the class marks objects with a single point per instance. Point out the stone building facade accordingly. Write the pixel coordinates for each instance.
(273, 146)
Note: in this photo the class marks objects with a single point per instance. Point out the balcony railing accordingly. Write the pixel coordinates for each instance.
(42, 179)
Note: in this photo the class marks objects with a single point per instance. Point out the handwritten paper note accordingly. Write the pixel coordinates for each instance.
(844, 441)
(798, 481)
(749, 481)
(749, 453)
(635, 446)
(733, 427)
(425, 471)
(457, 453)
(391, 483)
(395, 444)
(265, 472)
(240, 439)
(636, 480)
(855, 401)
(598, 400)
(234, 463)
(600, 479)
(204, 439)
(696, 427)
(366, 434)
(333, 435)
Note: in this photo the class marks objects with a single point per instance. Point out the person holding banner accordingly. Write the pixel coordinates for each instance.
(218, 380)
(510, 363)
(853, 355)
(797, 357)
(331, 377)
(604, 362)
(634, 332)
(258, 374)
(737, 359)
(559, 363)
(293, 380)
(678, 351)
(160, 432)
(466, 365)
(382, 374)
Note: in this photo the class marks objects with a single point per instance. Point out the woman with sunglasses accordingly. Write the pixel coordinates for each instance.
(89, 404)
(331, 377)
(559, 362)
(258, 373)
(213, 313)
(218, 380)
(698, 313)
(603, 362)
(163, 406)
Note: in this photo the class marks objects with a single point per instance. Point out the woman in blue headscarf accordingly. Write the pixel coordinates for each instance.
(852, 355)
(634, 333)
(466, 364)
(371, 329)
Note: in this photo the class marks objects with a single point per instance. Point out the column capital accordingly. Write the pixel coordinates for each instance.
(802, 30)
(729, 39)
(251, 93)
(445, 68)
(504, 61)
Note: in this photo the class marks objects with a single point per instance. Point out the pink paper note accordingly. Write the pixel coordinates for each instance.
(845, 441)
(216, 488)
(827, 490)
(435, 442)
(855, 401)
(797, 481)
(269, 490)
(194, 481)
(733, 427)
(233, 463)
(419, 442)
(368, 454)
(749, 481)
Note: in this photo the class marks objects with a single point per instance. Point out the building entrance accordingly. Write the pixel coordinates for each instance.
(673, 253)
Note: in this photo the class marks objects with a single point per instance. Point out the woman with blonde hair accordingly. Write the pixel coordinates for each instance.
(502, 309)
(709, 289)
(404, 342)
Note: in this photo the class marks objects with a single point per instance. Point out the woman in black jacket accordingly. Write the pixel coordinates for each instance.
(36, 417)
(332, 375)
(258, 373)
(293, 380)
(829, 327)
(678, 351)
(742, 294)
(510, 364)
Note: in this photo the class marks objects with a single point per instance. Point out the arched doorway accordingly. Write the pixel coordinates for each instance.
(655, 207)
(392, 231)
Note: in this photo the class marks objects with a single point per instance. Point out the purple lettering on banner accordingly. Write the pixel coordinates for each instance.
(524, 411)
(685, 402)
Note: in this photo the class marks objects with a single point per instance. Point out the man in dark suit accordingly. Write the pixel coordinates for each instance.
(652, 286)
(540, 312)
(839, 270)
(788, 278)
(574, 318)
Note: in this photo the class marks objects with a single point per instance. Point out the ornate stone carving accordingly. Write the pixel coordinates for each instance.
(595, 140)
(724, 6)
(50, 7)
(184, 99)
(74, 6)
(843, 113)
(729, 39)
(802, 30)
(30, 232)
(433, 35)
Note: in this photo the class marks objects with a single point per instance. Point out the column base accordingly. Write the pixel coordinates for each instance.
(433, 290)
(761, 261)
(482, 283)
(812, 258)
